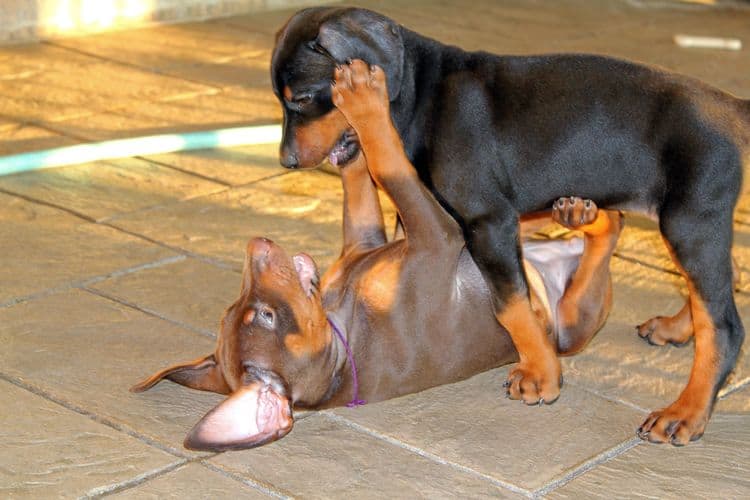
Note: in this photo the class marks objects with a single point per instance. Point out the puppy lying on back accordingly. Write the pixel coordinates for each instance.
(389, 318)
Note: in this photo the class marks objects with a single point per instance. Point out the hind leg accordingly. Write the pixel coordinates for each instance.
(700, 238)
(587, 299)
(662, 330)
(678, 329)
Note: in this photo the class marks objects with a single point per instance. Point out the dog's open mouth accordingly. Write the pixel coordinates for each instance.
(345, 149)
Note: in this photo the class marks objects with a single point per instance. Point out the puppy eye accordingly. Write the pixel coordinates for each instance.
(267, 316)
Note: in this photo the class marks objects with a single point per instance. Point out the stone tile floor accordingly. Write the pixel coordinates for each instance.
(111, 270)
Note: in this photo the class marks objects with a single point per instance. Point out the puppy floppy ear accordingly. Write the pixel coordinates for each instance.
(203, 374)
(366, 35)
(252, 416)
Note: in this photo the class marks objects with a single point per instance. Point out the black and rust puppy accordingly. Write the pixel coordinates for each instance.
(498, 136)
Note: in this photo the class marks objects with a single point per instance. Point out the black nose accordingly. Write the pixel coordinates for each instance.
(289, 160)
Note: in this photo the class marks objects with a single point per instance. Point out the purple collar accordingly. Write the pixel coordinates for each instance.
(355, 381)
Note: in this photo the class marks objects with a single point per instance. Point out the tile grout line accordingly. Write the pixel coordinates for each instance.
(426, 454)
(36, 295)
(588, 465)
(655, 267)
(149, 312)
(261, 486)
(130, 270)
(95, 279)
(224, 183)
(225, 188)
(186, 253)
(30, 199)
(110, 489)
(108, 223)
(633, 260)
(18, 382)
(628, 404)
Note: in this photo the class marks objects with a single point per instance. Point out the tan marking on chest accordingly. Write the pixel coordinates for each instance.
(380, 286)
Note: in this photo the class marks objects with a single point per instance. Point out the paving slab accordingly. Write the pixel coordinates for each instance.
(192, 481)
(44, 248)
(18, 138)
(619, 365)
(576, 26)
(233, 166)
(215, 54)
(735, 402)
(88, 351)
(55, 96)
(179, 45)
(641, 241)
(324, 458)
(188, 292)
(52, 452)
(742, 212)
(301, 211)
(25, 61)
(189, 114)
(491, 25)
(102, 189)
(715, 467)
(472, 423)
(268, 23)
(249, 97)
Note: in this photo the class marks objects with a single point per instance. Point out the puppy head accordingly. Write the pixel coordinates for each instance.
(307, 50)
(272, 353)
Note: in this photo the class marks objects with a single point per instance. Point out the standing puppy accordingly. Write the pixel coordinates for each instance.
(496, 136)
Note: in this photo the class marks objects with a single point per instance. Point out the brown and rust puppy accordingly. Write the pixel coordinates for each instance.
(495, 136)
(390, 318)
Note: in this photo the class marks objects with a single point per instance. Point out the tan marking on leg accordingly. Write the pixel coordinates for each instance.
(677, 329)
(537, 376)
(685, 419)
(587, 300)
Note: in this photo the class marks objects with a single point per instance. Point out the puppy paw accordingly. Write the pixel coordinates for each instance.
(573, 212)
(676, 424)
(583, 215)
(359, 92)
(534, 385)
(663, 330)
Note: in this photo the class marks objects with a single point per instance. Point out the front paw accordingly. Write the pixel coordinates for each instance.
(534, 384)
(359, 92)
(675, 424)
